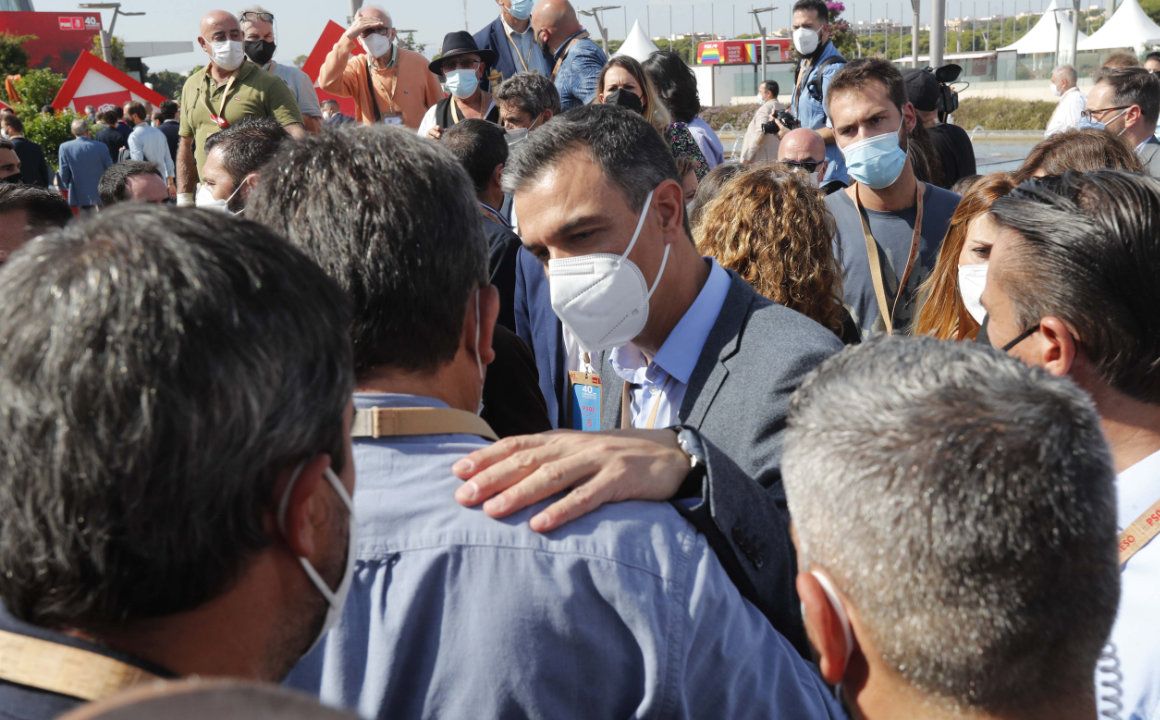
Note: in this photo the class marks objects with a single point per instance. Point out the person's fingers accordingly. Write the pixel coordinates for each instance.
(583, 499)
(544, 481)
(503, 473)
(485, 457)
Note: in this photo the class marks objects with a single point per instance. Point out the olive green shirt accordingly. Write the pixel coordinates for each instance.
(249, 92)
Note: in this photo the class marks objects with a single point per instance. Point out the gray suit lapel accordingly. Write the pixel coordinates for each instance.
(722, 344)
(612, 387)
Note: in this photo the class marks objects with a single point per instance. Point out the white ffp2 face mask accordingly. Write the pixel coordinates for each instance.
(335, 599)
(972, 280)
(228, 54)
(205, 199)
(376, 45)
(603, 298)
(805, 40)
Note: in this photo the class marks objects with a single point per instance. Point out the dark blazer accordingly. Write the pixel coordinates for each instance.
(493, 37)
(503, 248)
(537, 325)
(33, 165)
(512, 404)
(172, 129)
(757, 354)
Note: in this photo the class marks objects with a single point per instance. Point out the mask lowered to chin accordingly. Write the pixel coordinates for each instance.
(602, 298)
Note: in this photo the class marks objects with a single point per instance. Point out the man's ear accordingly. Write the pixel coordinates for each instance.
(488, 300)
(823, 628)
(497, 176)
(1056, 346)
(306, 506)
(669, 201)
(1132, 116)
(249, 182)
(909, 117)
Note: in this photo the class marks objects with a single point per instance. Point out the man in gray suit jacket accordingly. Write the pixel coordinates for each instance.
(1125, 102)
(689, 347)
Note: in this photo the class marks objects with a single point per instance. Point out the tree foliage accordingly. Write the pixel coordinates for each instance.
(13, 56)
(116, 51)
(39, 87)
(167, 82)
(48, 131)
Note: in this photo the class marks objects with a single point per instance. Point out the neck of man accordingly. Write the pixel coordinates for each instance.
(892, 198)
(473, 101)
(685, 275)
(517, 25)
(1139, 133)
(565, 37)
(492, 196)
(13, 134)
(929, 118)
(220, 75)
(449, 382)
(1132, 427)
(384, 62)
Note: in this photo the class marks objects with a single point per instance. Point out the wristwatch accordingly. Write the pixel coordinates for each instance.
(689, 441)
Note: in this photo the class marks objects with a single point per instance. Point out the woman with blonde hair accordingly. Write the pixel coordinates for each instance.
(951, 309)
(771, 227)
(624, 82)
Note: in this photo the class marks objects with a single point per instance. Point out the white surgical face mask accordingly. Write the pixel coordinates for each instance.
(228, 54)
(602, 298)
(1055, 90)
(805, 40)
(335, 599)
(205, 199)
(376, 45)
(972, 280)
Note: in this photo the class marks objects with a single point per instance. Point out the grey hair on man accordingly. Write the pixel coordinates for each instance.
(79, 127)
(962, 506)
(1066, 73)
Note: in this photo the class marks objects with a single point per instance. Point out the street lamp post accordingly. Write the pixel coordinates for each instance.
(107, 35)
(756, 13)
(594, 13)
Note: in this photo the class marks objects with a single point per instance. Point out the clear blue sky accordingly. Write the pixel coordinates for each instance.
(299, 22)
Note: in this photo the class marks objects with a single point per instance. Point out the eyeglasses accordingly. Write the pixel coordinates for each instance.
(460, 64)
(1021, 337)
(807, 165)
(1089, 114)
(252, 15)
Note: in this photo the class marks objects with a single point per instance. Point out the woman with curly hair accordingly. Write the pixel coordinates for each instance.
(951, 309)
(623, 82)
(771, 226)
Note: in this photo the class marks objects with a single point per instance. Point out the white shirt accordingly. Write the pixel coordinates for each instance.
(429, 121)
(1136, 634)
(1066, 114)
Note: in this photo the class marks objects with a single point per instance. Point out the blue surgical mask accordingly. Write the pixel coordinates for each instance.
(462, 83)
(876, 162)
(521, 9)
(1086, 123)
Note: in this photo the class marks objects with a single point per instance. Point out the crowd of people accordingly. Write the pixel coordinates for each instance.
(536, 404)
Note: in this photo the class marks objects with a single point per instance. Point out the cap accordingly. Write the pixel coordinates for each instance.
(922, 89)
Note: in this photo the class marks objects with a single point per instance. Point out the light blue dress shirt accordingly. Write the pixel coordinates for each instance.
(150, 144)
(530, 49)
(661, 384)
(624, 613)
(812, 114)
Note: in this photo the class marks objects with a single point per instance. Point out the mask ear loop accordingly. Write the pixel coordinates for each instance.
(639, 225)
(839, 610)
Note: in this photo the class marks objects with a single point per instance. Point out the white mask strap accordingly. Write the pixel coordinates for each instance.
(316, 579)
(661, 272)
(839, 610)
(639, 225)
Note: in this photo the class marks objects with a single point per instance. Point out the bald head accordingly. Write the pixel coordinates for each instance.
(219, 23)
(553, 21)
(374, 12)
(802, 144)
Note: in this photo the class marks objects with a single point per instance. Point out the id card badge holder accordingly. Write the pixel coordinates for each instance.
(392, 119)
(584, 391)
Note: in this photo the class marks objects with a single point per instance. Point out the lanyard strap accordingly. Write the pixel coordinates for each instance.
(626, 408)
(563, 52)
(515, 48)
(803, 75)
(220, 114)
(374, 96)
(1141, 532)
(380, 422)
(875, 257)
(65, 670)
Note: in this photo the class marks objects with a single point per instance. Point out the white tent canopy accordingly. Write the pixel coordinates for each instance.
(637, 45)
(1046, 36)
(1129, 27)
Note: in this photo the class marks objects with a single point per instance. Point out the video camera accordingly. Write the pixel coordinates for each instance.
(948, 100)
(785, 118)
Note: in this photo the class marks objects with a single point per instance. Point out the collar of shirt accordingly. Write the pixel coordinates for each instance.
(368, 400)
(1136, 489)
(1151, 140)
(512, 31)
(682, 348)
(562, 51)
(247, 67)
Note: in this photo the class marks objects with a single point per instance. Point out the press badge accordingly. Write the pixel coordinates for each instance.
(585, 392)
(393, 119)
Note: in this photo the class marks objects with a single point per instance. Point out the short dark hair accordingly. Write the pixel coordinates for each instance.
(771, 86)
(531, 92)
(168, 109)
(1133, 86)
(629, 151)
(114, 184)
(44, 209)
(1081, 151)
(109, 117)
(15, 123)
(711, 185)
(818, 6)
(1088, 249)
(48, 109)
(247, 145)
(394, 220)
(675, 83)
(479, 146)
(138, 109)
(857, 74)
(329, 102)
(159, 369)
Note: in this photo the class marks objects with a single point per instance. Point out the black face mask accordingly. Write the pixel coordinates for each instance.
(625, 99)
(13, 179)
(260, 51)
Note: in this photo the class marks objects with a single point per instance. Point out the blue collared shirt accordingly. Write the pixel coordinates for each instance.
(579, 73)
(812, 114)
(624, 613)
(661, 384)
(150, 144)
(528, 48)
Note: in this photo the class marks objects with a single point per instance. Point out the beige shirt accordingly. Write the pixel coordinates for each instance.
(759, 146)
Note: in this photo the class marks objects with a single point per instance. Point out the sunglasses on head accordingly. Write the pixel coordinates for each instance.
(252, 15)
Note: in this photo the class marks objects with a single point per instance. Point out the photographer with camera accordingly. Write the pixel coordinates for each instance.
(761, 138)
(820, 62)
(933, 99)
